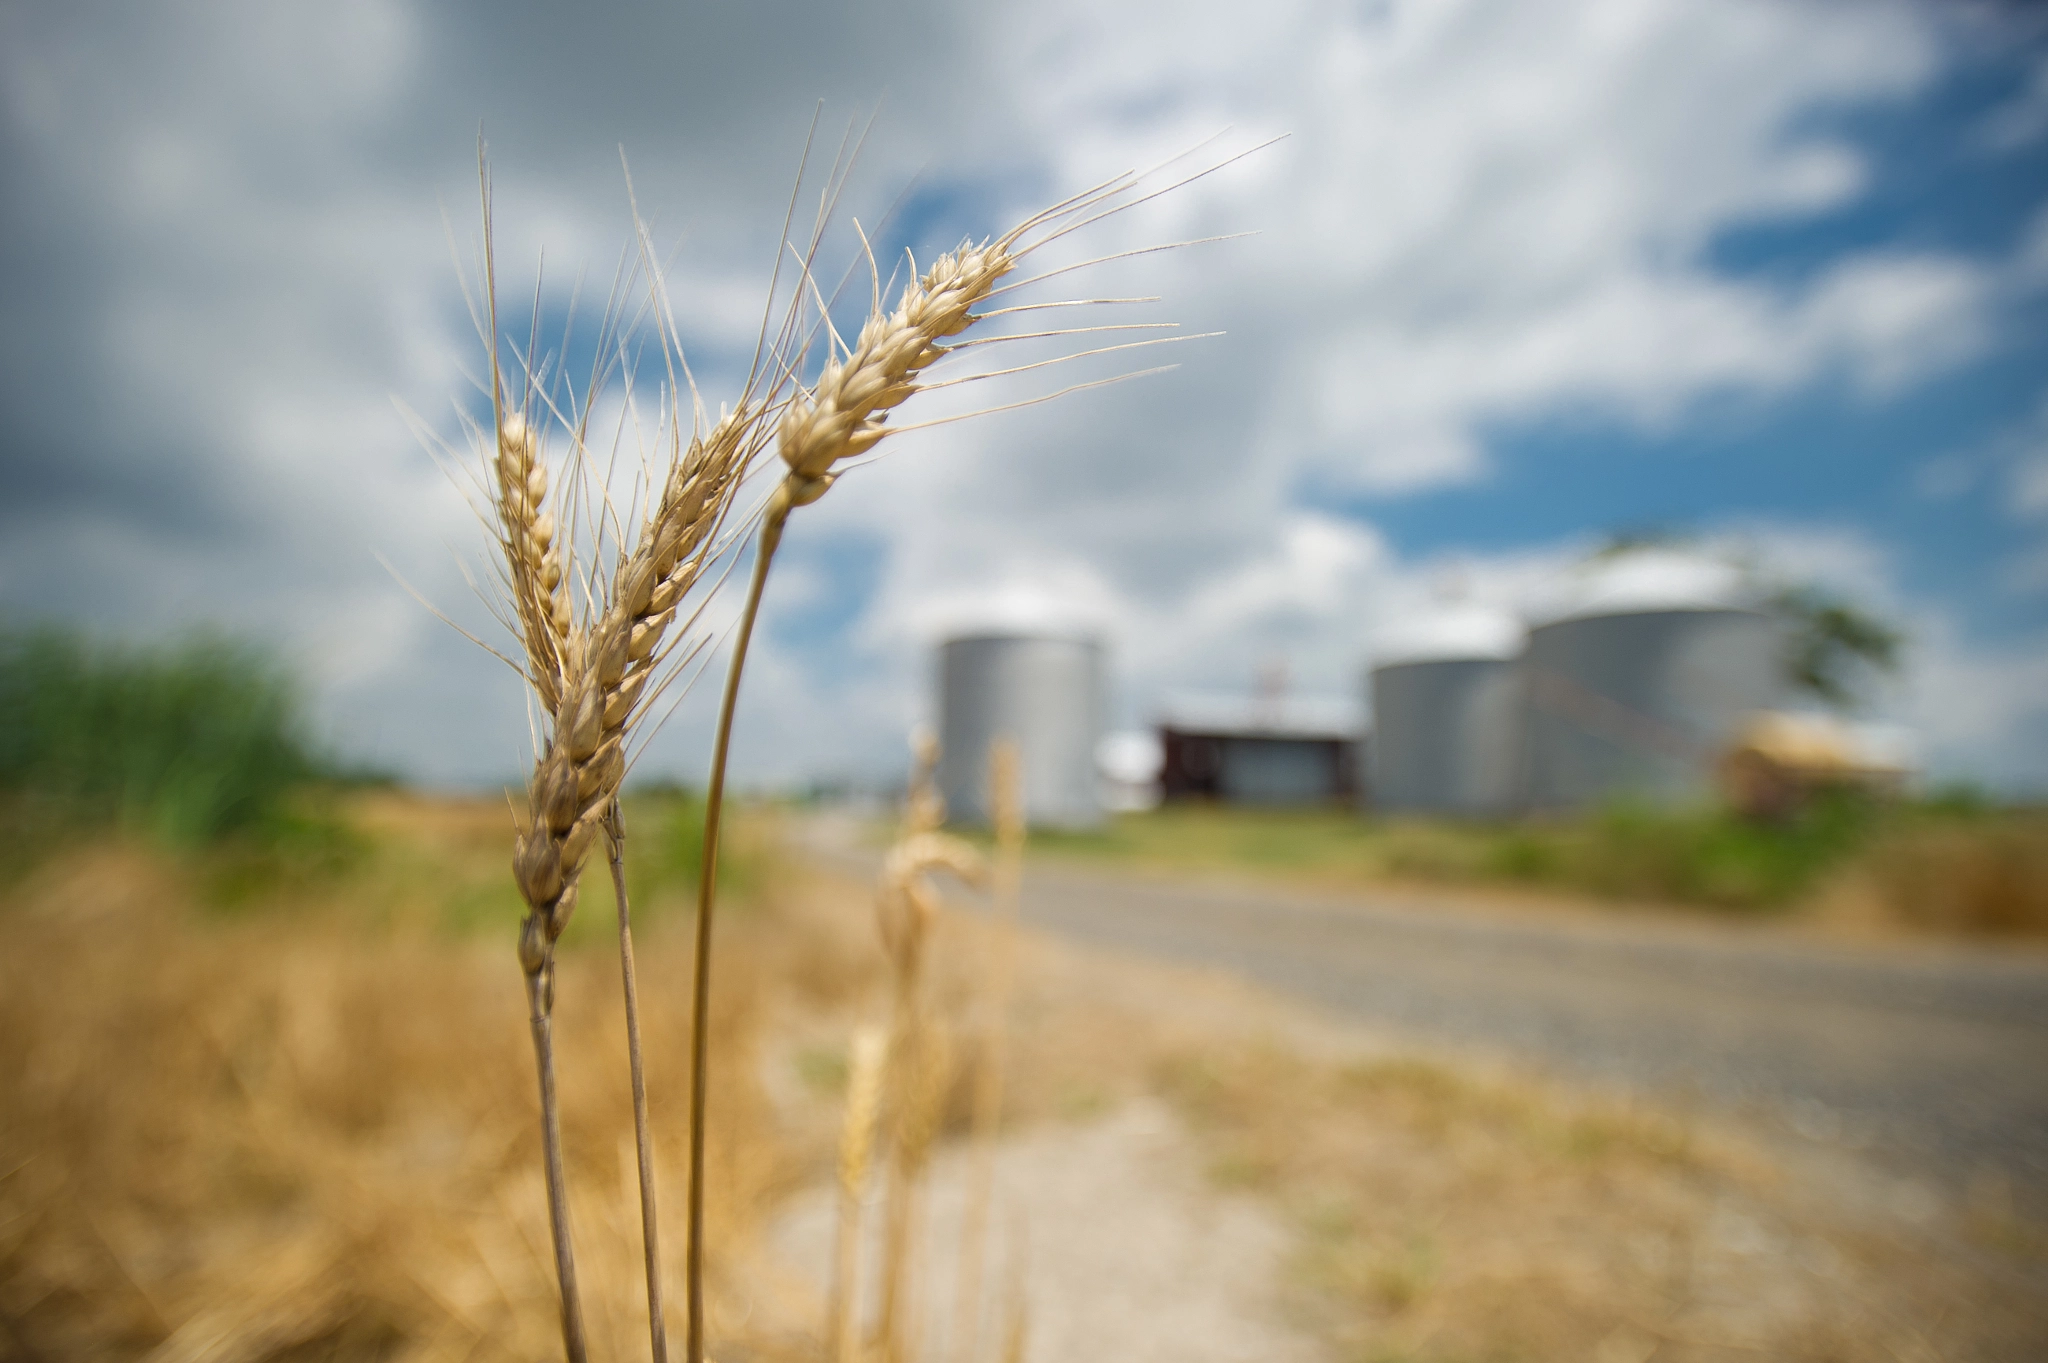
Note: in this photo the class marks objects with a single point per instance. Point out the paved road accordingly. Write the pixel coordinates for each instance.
(1936, 1060)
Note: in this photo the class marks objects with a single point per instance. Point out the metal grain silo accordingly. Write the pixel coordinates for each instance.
(1043, 691)
(1636, 691)
(1446, 707)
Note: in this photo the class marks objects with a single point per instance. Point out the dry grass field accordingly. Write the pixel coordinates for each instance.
(282, 1111)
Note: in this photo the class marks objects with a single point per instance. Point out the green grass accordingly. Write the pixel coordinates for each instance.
(1622, 851)
(187, 743)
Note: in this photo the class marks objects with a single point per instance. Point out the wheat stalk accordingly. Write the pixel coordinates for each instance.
(526, 540)
(919, 1058)
(1006, 802)
(840, 416)
(605, 675)
(593, 683)
(643, 1136)
(595, 678)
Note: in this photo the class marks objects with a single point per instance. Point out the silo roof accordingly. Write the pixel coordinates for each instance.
(1645, 580)
(1455, 631)
(1019, 612)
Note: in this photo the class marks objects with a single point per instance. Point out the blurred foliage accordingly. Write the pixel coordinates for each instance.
(665, 847)
(391, 860)
(187, 743)
(1642, 852)
(1711, 856)
(1834, 644)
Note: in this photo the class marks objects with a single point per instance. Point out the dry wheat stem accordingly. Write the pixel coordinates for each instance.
(919, 1060)
(700, 1001)
(573, 1343)
(839, 416)
(576, 781)
(545, 665)
(925, 1066)
(643, 1139)
(1006, 802)
(594, 681)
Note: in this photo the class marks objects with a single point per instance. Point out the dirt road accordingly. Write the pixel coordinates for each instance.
(1933, 1060)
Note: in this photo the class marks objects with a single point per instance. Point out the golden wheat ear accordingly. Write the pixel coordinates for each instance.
(533, 561)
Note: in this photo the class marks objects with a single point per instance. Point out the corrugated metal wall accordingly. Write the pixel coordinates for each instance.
(1639, 704)
(1446, 736)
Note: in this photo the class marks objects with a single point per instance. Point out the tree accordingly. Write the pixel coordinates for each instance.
(1834, 644)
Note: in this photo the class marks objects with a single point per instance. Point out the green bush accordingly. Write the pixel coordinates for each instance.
(1714, 857)
(188, 742)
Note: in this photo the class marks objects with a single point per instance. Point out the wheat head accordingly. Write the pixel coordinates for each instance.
(845, 413)
(605, 675)
(533, 560)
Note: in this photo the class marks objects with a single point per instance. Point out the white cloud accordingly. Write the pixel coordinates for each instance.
(1488, 214)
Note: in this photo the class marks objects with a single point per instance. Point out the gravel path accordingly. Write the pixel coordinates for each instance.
(1110, 1236)
(1934, 1060)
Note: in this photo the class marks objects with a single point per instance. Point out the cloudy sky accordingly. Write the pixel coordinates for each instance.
(1772, 275)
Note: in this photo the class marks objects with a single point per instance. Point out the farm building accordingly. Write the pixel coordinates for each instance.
(1262, 752)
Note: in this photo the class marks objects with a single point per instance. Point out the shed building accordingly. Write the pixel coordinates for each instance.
(1043, 691)
(1297, 752)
